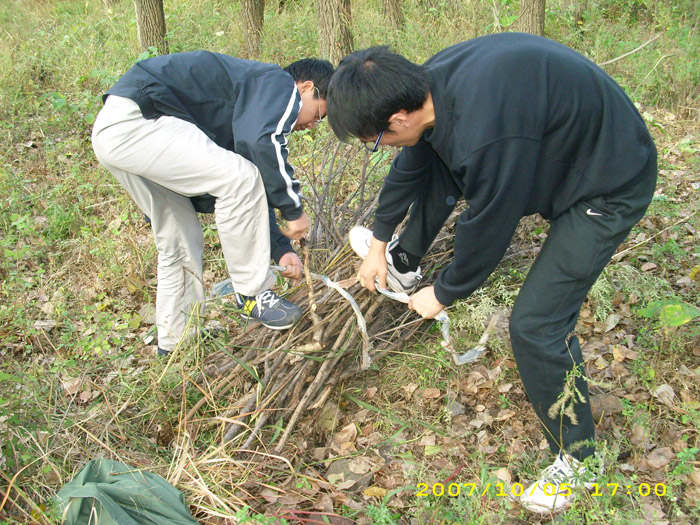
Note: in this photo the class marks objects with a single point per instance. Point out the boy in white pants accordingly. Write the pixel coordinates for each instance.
(205, 132)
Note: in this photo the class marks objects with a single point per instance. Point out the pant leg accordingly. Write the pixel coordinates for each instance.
(163, 162)
(180, 243)
(433, 206)
(579, 245)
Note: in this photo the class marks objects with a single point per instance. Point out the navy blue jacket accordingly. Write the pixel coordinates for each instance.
(243, 106)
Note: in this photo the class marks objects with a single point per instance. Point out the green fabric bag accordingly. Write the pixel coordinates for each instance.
(108, 492)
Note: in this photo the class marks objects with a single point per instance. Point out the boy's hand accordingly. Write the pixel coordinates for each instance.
(374, 265)
(297, 228)
(293, 267)
(425, 303)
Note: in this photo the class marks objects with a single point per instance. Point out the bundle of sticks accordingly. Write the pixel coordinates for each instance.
(263, 376)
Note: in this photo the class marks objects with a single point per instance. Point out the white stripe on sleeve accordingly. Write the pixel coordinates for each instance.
(278, 149)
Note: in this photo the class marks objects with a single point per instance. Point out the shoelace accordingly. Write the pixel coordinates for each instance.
(558, 473)
(268, 299)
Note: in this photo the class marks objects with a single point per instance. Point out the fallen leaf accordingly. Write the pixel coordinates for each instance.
(428, 439)
(653, 512)
(504, 475)
(665, 394)
(409, 389)
(605, 405)
(343, 441)
(660, 457)
(647, 267)
(505, 414)
(269, 495)
(85, 396)
(431, 450)
(601, 363)
(375, 492)
(431, 393)
(46, 324)
(639, 435)
(611, 322)
(360, 465)
(695, 477)
(324, 503)
(71, 385)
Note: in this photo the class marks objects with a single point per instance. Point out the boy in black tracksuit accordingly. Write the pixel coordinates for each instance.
(515, 124)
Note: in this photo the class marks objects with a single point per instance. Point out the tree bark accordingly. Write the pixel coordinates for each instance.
(334, 31)
(393, 11)
(531, 17)
(253, 17)
(150, 25)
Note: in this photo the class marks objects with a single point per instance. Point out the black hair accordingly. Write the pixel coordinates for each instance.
(314, 69)
(369, 86)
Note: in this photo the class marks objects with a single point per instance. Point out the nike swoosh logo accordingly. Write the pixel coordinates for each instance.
(589, 211)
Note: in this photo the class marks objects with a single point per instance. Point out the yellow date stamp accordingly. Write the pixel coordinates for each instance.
(516, 490)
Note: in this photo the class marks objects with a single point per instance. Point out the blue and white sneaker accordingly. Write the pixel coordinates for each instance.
(269, 309)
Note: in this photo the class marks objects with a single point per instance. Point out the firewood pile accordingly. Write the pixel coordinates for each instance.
(267, 379)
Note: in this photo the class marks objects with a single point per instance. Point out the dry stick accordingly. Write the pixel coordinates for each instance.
(235, 428)
(300, 384)
(631, 52)
(262, 419)
(620, 255)
(315, 319)
(271, 375)
(323, 370)
(221, 386)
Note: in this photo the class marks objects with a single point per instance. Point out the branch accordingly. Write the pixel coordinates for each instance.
(630, 52)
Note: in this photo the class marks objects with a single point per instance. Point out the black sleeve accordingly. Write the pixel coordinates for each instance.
(497, 179)
(401, 187)
(279, 244)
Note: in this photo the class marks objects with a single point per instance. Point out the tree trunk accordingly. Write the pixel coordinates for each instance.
(150, 25)
(334, 32)
(531, 17)
(253, 17)
(393, 11)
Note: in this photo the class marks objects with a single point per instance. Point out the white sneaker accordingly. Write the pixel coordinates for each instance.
(360, 239)
(555, 490)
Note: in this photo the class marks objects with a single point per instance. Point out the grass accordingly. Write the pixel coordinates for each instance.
(78, 378)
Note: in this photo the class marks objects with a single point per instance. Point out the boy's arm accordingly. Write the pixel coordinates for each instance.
(265, 113)
(401, 187)
(498, 180)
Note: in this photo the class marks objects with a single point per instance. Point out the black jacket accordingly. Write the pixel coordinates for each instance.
(243, 106)
(524, 125)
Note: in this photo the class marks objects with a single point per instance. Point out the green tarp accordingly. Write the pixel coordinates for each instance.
(108, 492)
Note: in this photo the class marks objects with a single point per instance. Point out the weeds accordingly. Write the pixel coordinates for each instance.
(79, 379)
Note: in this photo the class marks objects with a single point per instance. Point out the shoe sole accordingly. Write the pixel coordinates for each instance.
(391, 281)
(285, 327)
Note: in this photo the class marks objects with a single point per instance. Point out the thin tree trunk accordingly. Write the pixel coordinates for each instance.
(393, 11)
(334, 29)
(150, 25)
(253, 17)
(531, 17)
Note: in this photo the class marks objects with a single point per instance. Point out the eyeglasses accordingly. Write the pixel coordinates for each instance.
(374, 147)
(318, 97)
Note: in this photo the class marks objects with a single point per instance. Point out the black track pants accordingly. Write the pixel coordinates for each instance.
(579, 245)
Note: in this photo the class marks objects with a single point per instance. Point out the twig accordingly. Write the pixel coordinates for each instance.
(607, 62)
(621, 254)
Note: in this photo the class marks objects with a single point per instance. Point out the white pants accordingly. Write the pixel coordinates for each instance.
(161, 163)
